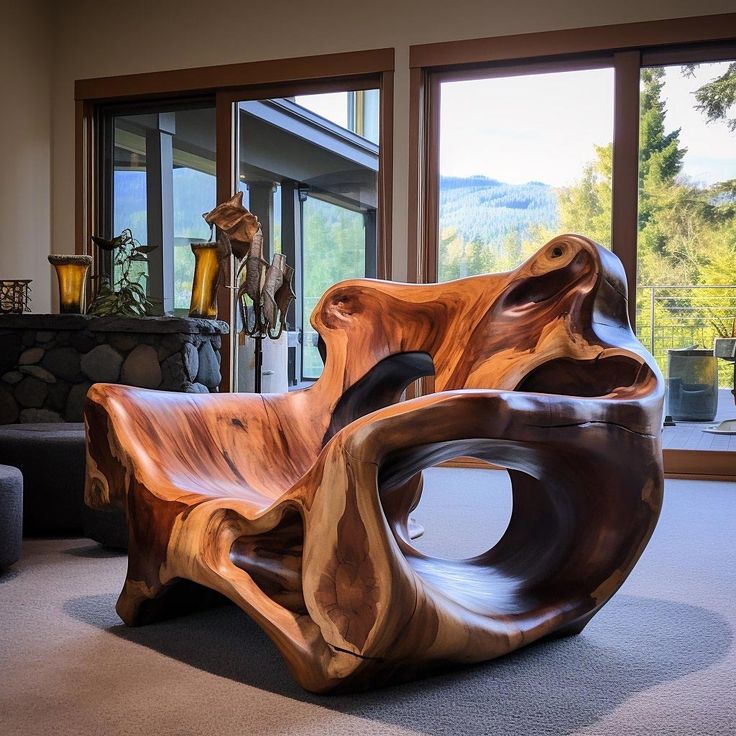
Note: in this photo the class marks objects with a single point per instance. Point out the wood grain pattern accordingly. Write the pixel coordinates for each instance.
(295, 506)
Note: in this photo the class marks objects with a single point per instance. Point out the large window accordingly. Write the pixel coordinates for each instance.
(306, 139)
(308, 169)
(686, 252)
(516, 166)
(634, 147)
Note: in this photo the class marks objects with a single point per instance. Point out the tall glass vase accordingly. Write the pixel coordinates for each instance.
(204, 284)
(71, 271)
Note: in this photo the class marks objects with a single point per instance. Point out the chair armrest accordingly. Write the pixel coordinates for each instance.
(587, 481)
(465, 417)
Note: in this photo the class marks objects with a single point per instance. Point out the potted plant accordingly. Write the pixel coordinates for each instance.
(724, 346)
(126, 296)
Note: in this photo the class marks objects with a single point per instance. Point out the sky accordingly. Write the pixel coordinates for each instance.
(330, 105)
(543, 127)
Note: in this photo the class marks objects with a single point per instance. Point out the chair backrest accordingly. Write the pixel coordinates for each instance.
(556, 324)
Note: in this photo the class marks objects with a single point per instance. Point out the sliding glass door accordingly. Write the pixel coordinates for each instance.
(308, 169)
(634, 149)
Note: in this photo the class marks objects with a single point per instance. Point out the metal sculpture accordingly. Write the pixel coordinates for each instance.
(268, 287)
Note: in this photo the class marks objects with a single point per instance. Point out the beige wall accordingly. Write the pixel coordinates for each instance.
(93, 38)
(25, 146)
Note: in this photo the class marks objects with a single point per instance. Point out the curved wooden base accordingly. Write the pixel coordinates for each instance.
(296, 507)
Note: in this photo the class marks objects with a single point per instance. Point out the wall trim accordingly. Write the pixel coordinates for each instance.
(213, 78)
(617, 37)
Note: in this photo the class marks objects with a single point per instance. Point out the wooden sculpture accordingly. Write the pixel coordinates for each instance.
(295, 506)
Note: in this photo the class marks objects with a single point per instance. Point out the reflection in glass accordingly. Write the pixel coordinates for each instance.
(522, 159)
(163, 180)
(308, 166)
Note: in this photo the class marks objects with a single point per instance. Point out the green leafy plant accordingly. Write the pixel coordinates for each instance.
(722, 328)
(126, 297)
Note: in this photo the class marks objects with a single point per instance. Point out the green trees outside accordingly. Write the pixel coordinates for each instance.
(334, 249)
(687, 230)
(687, 233)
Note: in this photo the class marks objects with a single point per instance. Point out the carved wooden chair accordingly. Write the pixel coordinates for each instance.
(295, 506)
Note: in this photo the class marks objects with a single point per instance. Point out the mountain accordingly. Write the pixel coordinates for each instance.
(485, 210)
(479, 209)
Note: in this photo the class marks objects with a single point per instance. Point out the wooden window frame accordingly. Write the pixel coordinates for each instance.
(228, 84)
(625, 47)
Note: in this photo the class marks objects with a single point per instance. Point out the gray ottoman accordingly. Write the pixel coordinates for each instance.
(51, 458)
(11, 515)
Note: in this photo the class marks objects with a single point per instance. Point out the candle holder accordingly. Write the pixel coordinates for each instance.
(71, 271)
(206, 278)
(14, 296)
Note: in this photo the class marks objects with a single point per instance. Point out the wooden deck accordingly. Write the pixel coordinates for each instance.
(690, 435)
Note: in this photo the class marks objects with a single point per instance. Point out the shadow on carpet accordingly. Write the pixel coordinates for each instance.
(95, 551)
(552, 687)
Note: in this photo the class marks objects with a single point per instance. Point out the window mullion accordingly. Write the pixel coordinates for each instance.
(625, 194)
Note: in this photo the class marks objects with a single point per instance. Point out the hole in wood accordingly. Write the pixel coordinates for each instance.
(464, 512)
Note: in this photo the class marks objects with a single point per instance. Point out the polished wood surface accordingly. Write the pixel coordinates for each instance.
(295, 506)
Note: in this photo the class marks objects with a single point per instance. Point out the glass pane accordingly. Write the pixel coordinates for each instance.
(163, 180)
(356, 111)
(129, 184)
(522, 159)
(129, 187)
(195, 192)
(331, 106)
(309, 168)
(686, 293)
(344, 230)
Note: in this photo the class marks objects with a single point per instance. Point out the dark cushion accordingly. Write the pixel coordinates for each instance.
(108, 527)
(51, 458)
(11, 515)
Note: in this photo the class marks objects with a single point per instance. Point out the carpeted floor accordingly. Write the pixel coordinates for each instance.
(658, 659)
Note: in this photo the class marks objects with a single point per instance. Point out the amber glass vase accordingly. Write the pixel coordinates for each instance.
(204, 285)
(71, 272)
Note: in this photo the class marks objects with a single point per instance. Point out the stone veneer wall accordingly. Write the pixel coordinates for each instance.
(48, 362)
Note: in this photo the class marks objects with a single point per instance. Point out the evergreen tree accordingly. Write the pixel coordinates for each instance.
(660, 155)
(660, 163)
(717, 97)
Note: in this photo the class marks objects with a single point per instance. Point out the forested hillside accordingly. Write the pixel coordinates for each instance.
(486, 210)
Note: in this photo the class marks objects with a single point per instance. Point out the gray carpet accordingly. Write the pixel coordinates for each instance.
(658, 659)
